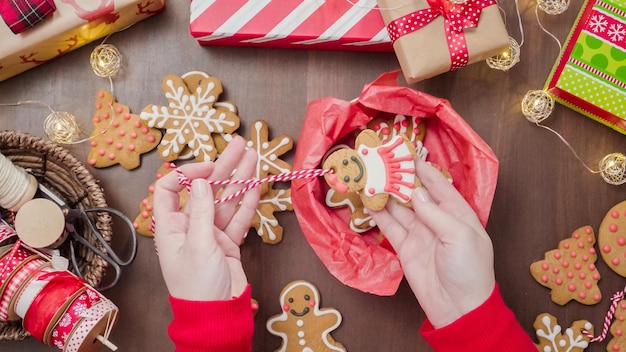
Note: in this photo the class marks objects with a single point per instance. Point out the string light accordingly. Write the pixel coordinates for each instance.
(506, 59)
(61, 127)
(553, 7)
(537, 105)
(613, 169)
(106, 60)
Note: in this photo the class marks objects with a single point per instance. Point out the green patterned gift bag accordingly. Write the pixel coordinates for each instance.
(590, 74)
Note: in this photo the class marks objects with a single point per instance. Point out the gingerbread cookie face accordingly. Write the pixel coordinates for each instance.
(191, 117)
(119, 137)
(374, 170)
(570, 270)
(552, 338)
(303, 325)
(612, 239)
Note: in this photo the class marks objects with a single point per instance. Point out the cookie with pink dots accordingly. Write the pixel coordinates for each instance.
(303, 325)
(570, 270)
(612, 238)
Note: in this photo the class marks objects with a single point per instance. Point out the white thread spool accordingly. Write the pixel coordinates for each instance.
(40, 223)
(16, 185)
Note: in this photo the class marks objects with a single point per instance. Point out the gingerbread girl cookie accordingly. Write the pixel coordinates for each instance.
(303, 326)
(374, 170)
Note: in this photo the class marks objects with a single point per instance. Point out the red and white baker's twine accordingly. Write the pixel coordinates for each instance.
(251, 183)
(608, 319)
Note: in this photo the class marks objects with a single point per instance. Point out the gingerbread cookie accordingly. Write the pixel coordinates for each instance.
(303, 325)
(552, 338)
(192, 116)
(143, 221)
(618, 327)
(413, 128)
(264, 220)
(570, 270)
(612, 238)
(119, 137)
(269, 151)
(374, 170)
(360, 219)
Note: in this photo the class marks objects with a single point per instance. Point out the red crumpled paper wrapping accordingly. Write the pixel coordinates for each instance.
(451, 143)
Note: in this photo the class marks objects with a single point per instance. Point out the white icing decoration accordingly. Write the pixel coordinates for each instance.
(267, 224)
(552, 334)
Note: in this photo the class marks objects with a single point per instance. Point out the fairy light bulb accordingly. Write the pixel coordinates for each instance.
(537, 105)
(106, 60)
(61, 127)
(613, 168)
(553, 7)
(506, 59)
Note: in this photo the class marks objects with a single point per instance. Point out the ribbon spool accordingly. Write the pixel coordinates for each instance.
(16, 185)
(40, 223)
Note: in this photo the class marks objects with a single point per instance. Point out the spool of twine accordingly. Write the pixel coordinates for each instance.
(40, 223)
(16, 185)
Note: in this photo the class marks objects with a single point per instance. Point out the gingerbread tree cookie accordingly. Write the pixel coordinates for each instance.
(119, 137)
(264, 221)
(143, 221)
(570, 271)
(618, 329)
(552, 338)
(612, 238)
(191, 117)
(269, 151)
(303, 325)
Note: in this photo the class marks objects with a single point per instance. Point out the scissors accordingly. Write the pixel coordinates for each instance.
(73, 216)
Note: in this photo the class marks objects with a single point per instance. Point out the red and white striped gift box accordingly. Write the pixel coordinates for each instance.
(354, 25)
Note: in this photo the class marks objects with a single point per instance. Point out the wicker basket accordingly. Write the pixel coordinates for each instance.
(55, 168)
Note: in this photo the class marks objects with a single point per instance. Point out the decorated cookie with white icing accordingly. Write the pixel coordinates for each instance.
(303, 325)
(374, 170)
(552, 337)
(360, 219)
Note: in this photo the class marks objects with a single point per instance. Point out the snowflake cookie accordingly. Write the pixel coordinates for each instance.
(570, 270)
(551, 338)
(192, 117)
(119, 137)
(269, 151)
(264, 221)
(303, 325)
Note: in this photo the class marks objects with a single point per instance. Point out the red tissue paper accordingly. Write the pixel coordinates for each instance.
(352, 258)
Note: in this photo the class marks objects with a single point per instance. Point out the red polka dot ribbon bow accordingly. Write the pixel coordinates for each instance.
(457, 18)
(21, 15)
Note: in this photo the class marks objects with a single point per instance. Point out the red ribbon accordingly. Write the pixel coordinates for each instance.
(457, 18)
(54, 296)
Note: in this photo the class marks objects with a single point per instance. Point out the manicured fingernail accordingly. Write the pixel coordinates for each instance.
(198, 188)
(422, 194)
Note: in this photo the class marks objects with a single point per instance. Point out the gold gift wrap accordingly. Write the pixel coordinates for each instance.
(424, 53)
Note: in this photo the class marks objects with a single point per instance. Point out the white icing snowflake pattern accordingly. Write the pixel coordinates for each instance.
(264, 221)
(616, 32)
(598, 23)
(558, 342)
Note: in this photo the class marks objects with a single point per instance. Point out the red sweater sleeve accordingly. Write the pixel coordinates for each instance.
(490, 327)
(204, 326)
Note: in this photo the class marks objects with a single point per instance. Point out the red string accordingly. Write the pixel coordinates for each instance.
(615, 299)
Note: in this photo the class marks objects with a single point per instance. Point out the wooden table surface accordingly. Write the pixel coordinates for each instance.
(543, 193)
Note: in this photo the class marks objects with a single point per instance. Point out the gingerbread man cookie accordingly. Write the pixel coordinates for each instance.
(360, 219)
(552, 338)
(374, 170)
(612, 238)
(119, 137)
(570, 270)
(303, 325)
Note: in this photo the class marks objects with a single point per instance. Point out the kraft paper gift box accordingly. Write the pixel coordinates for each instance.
(589, 76)
(297, 24)
(73, 24)
(424, 51)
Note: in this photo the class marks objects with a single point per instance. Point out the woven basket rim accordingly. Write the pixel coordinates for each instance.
(56, 168)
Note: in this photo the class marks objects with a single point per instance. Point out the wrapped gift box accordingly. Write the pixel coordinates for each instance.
(302, 24)
(424, 51)
(73, 24)
(590, 74)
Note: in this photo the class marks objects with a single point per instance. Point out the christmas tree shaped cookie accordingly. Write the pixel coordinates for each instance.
(552, 338)
(119, 137)
(618, 329)
(570, 271)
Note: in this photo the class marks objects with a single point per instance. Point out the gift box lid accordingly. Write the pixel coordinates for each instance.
(302, 24)
(589, 75)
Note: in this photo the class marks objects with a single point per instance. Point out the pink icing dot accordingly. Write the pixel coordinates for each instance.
(311, 303)
(582, 295)
(98, 106)
(131, 147)
(558, 281)
(621, 241)
(100, 94)
(118, 110)
(570, 275)
(619, 332)
(606, 248)
(572, 254)
(565, 264)
(581, 244)
(615, 347)
(145, 130)
(571, 287)
(557, 255)
(576, 235)
(92, 161)
(149, 207)
(582, 276)
(585, 257)
(137, 124)
(597, 297)
(115, 124)
(144, 214)
(133, 135)
(615, 261)
(544, 278)
(588, 230)
(577, 266)
(109, 141)
(556, 270)
(545, 266)
(596, 276)
(106, 115)
(96, 119)
(151, 189)
(286, 307)
(566, 245)
(588, 284)
(144, 201)
(592, 267)
(613, 227)
(371, 191)
(592, 250)
(111, 156)
(121, 133)
(615, 214)
(101, 152)
(119, 146)
(127, 116)
(93, 143)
